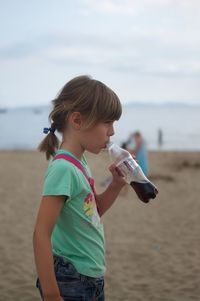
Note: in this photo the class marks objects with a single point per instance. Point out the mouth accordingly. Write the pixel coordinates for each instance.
(106, 144)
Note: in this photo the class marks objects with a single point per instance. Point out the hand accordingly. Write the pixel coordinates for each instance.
(133, 156)
(118, 178)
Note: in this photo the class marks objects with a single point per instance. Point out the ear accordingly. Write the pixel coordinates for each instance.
(76, 120)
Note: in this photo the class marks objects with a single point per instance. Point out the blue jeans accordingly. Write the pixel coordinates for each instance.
(74, 286)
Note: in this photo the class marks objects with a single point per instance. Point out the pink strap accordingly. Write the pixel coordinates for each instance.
(79, 166)
(73, 161)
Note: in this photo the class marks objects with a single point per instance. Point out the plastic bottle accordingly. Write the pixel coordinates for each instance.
(132, 172)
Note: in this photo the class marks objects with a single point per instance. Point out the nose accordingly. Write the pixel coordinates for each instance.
(111, 131)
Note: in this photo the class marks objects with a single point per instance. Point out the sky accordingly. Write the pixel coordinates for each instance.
(145, 50)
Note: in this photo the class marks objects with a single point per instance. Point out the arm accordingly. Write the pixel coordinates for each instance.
(108, 197)
(49, 210)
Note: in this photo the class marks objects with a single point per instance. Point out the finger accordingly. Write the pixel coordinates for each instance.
(115, 170)
(119, 172)
(112, 167)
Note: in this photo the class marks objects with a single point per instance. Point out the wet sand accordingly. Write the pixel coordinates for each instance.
(152, 249)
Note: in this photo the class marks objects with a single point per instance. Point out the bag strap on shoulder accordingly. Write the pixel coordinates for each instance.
(79, 166)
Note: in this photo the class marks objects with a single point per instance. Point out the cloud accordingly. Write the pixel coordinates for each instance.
(161, 69)
(149, 48)
(63, 42)
(140, 52)
(134, 7)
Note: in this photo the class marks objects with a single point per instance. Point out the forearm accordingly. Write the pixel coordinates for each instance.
(44, 264)
(108, 197)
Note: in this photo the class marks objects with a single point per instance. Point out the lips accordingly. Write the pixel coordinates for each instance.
(106, 144)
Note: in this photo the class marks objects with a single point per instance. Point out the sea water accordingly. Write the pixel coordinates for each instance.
(22, 128)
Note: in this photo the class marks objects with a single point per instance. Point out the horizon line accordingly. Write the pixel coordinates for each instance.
(135, 102)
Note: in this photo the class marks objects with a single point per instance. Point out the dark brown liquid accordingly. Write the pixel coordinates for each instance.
(145, 191)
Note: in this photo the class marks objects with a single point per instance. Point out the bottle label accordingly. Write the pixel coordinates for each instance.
(127, 168)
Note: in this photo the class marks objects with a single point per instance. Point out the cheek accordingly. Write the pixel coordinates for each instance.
(102, 134)
(95, 136)
(96, 133)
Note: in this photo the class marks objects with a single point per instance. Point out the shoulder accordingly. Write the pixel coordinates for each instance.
(59, 168)
(61, 165)
(60, 178)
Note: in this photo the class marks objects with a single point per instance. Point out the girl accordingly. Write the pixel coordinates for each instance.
(68, 237)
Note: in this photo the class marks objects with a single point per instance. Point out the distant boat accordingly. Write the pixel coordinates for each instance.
(3, 110)
(37, 111)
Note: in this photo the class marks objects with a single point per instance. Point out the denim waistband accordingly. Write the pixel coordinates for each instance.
(59, 259)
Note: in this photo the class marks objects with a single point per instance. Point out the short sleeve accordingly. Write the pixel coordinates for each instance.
(59, 179)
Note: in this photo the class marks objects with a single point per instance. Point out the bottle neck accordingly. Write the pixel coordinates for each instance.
(114, 149)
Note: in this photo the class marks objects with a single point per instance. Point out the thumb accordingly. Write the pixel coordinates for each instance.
(112, 168)
(115, 170)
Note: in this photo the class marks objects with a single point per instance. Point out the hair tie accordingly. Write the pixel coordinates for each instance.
(46, 130)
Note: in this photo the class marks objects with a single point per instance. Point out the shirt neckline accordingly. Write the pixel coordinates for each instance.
(61, 151)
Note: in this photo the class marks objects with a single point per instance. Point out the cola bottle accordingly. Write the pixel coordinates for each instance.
(132, 172)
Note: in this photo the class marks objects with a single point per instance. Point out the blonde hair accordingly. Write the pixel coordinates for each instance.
(94, 100)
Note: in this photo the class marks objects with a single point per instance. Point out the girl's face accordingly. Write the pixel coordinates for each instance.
(95, 139)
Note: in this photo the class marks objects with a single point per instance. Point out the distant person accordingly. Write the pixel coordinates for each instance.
(140, 151)
(160, 138)
(124, 145)
(68, 238)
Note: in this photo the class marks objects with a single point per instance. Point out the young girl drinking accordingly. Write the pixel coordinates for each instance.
(68, 237)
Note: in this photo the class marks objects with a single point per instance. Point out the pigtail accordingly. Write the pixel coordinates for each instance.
(50, 143)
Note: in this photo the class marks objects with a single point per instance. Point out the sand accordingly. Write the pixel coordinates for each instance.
(152, 249)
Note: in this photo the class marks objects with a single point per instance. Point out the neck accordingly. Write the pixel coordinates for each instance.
(72, 147)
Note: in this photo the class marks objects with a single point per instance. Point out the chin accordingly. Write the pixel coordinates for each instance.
(94, 151)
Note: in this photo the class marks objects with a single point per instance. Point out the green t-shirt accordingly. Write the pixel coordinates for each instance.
(78, 234)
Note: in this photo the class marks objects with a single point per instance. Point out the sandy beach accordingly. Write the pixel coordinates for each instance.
(152, 249)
